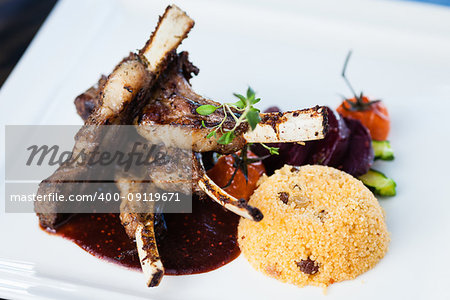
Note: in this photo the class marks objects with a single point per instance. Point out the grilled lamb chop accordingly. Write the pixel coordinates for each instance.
(118, 101)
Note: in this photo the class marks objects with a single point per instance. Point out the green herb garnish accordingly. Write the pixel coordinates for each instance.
(244, 105)
(249, 114)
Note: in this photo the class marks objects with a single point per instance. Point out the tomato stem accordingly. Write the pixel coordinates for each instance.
(359, 104)
(347, 59)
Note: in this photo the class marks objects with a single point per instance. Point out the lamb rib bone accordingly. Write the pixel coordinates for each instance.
(148, 255)
(172, 28)
(289, 127)
(138, 222)
(239, 207)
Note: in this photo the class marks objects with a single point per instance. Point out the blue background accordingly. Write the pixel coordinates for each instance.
(440, 2)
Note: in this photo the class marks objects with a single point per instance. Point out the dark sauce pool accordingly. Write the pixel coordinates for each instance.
(194, 243)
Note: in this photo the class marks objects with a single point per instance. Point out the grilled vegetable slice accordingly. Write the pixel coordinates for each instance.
(379, 183)
(383, 150)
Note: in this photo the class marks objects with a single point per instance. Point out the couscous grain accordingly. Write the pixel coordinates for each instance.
(320, 226)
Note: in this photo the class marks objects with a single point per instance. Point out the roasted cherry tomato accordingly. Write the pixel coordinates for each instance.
(372, 114)
(223, 170)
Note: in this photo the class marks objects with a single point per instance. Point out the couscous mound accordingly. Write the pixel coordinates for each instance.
(320, 226)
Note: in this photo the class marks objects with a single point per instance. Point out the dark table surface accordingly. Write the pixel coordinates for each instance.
(19, 22)
(21, 19)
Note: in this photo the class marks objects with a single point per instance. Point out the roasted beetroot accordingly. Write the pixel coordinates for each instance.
(331, 150)
(359, 156)
(290, 153)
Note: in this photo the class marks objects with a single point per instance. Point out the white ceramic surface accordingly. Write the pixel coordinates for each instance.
(291, 53)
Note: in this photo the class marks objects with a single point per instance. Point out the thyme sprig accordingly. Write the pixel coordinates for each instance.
(244, 105)
(272, 150)
(249, 114)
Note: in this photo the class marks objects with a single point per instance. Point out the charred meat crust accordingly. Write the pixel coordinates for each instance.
(52, 220)
(49, 213)
(129, 222)
(185, 66)
(149, 242)
(161, 112)
(325, 120)
(156, 279)
(255, 213)
(88, 101)
(273, 119)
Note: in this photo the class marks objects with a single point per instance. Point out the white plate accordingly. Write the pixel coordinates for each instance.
(291, 53)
